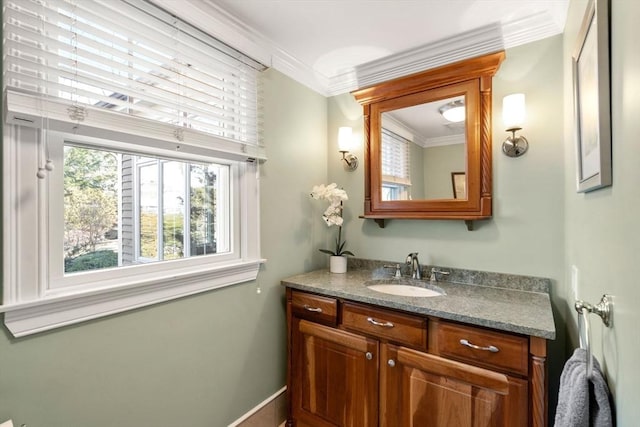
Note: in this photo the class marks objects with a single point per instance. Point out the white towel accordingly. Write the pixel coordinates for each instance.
(7, 424)
(582, 402)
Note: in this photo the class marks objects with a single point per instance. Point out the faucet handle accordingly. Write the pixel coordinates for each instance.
(397, 267)
(435, 272)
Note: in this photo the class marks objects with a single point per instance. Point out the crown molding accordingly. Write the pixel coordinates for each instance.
(531, 28)
(441, 141)
(471, 44)
(209, 17)
(394, 125)
(215, 21)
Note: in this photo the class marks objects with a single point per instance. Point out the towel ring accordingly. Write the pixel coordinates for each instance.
(602, 309)
(585, 343)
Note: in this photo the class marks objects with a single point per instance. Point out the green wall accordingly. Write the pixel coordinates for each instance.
(524, 236)
(438, 163)
(416, 163)
(602, 237)
(200, 361)
(526, 233)
(207, 359)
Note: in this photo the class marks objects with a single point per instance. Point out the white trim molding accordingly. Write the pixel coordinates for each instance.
(269, 400)
(445, 140)
(37, 316)
(531, 28)
(214, 20)
(27, 110)
(481, 41)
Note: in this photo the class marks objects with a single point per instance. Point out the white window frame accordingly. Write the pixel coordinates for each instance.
(224, 192)
(30, 303)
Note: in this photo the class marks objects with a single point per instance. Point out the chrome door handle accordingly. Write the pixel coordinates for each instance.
(491, 348)
(313, 309)
(375, 322)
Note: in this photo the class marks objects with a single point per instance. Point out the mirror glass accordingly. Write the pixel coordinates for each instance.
(423, 154)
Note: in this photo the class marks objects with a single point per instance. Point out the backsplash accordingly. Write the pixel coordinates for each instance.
(457, 275)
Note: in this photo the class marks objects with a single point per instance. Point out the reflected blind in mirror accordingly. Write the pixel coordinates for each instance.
(395, 158)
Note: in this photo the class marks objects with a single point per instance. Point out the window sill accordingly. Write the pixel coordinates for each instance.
(35, 316)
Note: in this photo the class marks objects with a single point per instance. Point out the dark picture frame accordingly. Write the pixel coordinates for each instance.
(459, 185)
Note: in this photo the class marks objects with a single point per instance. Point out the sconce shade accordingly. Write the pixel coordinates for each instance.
(345, 136)
(513, 111)
(345, 144)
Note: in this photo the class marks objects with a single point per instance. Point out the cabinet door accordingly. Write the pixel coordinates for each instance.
(422, 390)
(335, 377)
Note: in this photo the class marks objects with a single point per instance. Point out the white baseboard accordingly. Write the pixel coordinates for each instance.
(259, 406)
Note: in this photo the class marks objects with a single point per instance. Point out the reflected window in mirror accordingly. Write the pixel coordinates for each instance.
(396, 171)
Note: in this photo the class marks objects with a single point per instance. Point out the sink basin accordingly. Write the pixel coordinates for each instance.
(405, 288)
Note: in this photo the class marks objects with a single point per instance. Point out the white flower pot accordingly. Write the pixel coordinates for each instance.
(338, 264)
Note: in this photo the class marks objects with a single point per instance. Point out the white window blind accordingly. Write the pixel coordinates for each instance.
(395, 158)
(131, 57)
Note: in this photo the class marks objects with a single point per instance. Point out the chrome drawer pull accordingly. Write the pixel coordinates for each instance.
(491, 348)
(314, 309)
(374, 322)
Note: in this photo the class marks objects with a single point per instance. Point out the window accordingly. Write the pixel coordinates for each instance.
(123, 209)
(396, 179)
(180, 210)
(154, 138)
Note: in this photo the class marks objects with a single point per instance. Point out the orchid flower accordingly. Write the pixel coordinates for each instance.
(333, 214)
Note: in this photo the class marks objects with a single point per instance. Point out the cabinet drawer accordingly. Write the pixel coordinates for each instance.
(314, 307)
(397, 327)
(482, 347)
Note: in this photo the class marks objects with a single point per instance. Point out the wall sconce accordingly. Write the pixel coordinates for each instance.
(513, 113)
(345, 143)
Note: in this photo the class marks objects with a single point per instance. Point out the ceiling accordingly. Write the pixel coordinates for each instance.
(334, 46)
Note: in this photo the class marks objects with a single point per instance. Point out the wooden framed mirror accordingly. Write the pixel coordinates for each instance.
(412, 151)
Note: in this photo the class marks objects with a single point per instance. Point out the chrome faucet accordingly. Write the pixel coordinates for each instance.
(412, 260)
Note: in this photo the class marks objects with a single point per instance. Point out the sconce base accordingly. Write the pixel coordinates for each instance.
(350, 161)
(515, 146)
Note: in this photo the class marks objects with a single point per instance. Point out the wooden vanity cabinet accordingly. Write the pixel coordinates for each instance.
(421, 389)
(350, 367)
(334, 381)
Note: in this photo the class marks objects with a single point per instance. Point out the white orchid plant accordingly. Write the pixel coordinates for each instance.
(333, 215)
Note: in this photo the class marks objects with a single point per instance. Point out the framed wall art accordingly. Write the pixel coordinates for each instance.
(592, 112)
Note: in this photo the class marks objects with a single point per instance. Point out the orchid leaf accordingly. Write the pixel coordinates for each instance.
(327, 251)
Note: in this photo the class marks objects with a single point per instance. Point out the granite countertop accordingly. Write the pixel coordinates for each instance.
(499, 306)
